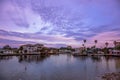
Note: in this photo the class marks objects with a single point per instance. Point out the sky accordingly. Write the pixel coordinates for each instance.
(58, 23)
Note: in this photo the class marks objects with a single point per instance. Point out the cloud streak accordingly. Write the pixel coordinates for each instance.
(37, 38)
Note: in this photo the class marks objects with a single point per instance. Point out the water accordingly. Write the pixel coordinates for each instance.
(56, 67)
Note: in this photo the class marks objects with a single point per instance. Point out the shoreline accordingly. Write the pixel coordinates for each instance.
(76, 55)
(111, 76)
(97, 55)
(17, 54)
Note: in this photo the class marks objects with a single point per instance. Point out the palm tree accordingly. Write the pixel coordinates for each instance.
(84, 41)
(95, 46)
(95, 43)
(106, 49)
(106, 44)
(83, 45)
(115, 43)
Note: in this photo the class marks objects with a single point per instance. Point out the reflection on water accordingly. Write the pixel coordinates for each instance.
(29, 58)
(56, 67)
(5, 58)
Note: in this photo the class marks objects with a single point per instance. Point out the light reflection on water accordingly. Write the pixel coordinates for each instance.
(56, 67)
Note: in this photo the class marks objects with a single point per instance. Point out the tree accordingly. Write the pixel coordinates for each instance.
(106, 44)
(95, 51)
(83, 45)
(114, 43)
(116, 47)
(7, 47)
(21, 48)
(106, 49)
(84, 41)
(95, 43)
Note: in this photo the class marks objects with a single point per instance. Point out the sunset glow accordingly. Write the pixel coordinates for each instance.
(59, 23)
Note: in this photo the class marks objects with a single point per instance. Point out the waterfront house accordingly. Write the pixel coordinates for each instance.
(114, 52)
(6, 51)
(116, 49)
(53, 51)
(29, 48)
(38, 47)
(100, 52)
(68, 49)
(78, 50)
(65, 50)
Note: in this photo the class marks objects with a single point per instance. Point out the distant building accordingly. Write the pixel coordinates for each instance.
(6, 51)
(29, 48)
(53, 51)
(65, 50)
(116, 52)
(78, 50)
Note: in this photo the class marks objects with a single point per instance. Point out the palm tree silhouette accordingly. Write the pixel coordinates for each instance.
(95, 43)
(95, 46)
(83, 45)
(114, 43)
(106, 49)
(84, 41)
(106, 44)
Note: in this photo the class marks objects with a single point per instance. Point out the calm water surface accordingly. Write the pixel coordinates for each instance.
(56, 67)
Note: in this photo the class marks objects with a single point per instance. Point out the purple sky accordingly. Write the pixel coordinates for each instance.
(59, 22)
